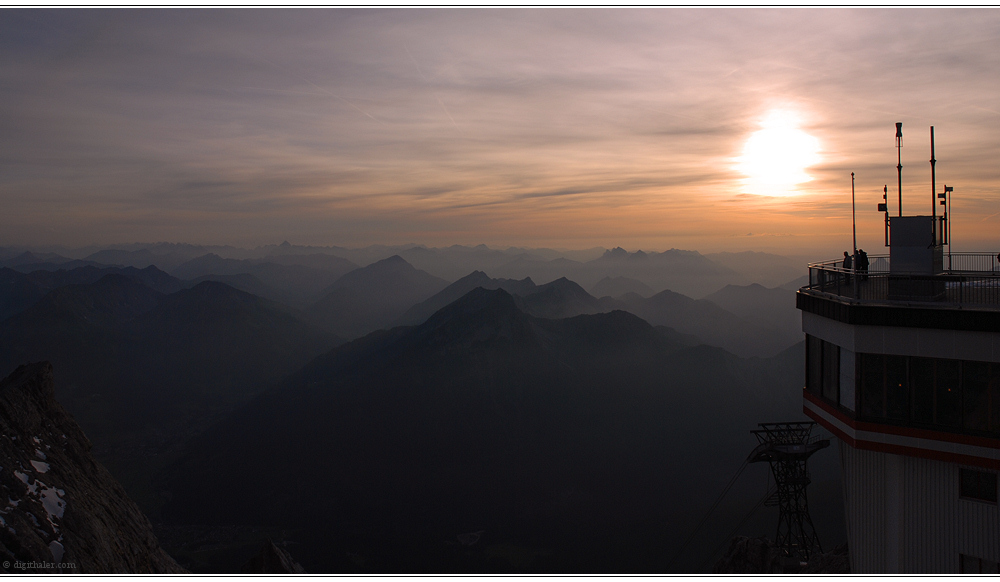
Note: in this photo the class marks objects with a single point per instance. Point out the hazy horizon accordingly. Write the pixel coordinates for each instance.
(698, 129)
(583, 254)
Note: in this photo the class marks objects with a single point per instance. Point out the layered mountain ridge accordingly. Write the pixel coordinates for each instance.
(483, 417)
(500, 426)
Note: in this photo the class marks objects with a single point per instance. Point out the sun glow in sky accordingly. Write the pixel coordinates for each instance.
(644, 128)
(776, 157)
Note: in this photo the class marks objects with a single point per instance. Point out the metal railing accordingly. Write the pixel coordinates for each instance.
(966, 279)
(972, 262)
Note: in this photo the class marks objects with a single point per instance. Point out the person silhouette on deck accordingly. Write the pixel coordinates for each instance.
(848, 263)
(863, 264)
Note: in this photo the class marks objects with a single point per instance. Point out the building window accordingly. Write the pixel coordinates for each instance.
(936, 393)
(814, 364)
(871, 400)
(823, 369)
(831, 372)
(897, 388)
(978, 485)
(976, 397)
(922, 384)
(974, 565)
(948, 405)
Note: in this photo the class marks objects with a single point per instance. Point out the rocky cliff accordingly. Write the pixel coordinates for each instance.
(760, 556)
(60, 510)
(272, 560)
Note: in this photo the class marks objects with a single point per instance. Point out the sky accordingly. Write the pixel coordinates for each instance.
(720, 129)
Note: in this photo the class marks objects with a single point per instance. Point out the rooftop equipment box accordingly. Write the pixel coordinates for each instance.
(914, 259)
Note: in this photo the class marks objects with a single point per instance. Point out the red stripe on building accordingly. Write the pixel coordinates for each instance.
(917, 433)
(896, 449)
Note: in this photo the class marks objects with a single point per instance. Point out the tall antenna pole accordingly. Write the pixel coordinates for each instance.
(933, 179)
(854, 219)
(885, 206)
(899, 163)
(854, 232)
(949, 225)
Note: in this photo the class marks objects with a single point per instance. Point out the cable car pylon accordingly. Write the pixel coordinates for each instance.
(786, 446)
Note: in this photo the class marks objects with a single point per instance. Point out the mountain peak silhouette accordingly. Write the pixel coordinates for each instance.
(478, 317)
(108, 299)
(394, 260)
(479, 299)
(615, 253)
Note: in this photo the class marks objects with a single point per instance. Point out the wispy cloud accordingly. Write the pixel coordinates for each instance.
(223, 125)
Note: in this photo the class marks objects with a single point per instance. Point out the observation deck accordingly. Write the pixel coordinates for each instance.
(964, 294)
(907, 362)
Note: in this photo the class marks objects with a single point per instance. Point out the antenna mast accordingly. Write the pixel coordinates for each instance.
(899, 163)
(933, 180)
(854, 220)
(854, 231)
(884, 207)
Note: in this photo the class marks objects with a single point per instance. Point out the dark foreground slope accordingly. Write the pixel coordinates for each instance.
(62, 506)
(486, 439)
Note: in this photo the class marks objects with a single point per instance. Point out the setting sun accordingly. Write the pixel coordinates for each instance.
(775, 158)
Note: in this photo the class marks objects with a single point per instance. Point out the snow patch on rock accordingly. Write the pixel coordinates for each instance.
(32, 487)
(57, 551)
(53, 502)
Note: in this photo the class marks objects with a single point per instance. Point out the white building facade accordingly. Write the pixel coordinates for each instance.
(904, 369)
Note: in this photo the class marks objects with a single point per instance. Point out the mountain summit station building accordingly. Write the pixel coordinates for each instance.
(903, 367)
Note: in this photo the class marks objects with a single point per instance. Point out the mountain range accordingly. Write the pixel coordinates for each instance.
(483, 425)
(296, 280)
(767, 322)
(562, 440)
(683, 271)
(372, 297)
(618, 286)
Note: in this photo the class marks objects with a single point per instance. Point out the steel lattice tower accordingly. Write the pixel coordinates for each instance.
(786, 446)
